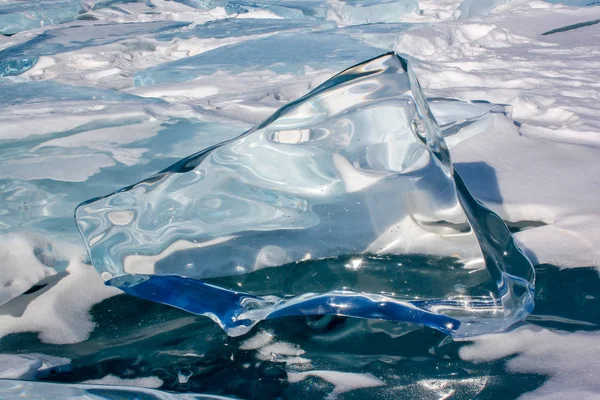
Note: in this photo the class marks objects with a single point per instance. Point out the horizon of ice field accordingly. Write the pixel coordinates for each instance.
(99, 94)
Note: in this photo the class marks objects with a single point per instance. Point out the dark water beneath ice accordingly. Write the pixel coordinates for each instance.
(136, 338)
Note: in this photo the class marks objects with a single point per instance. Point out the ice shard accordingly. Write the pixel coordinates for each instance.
(477, 8)
(348, 12)
(343, 202)
(354, 12)
(283, 53)
(21, 16)
(15, 60)
(288, 9)
(16, 66)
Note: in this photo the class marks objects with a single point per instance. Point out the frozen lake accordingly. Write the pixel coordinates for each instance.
(96, 95)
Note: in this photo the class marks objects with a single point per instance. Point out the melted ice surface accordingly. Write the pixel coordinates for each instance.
(357, 167)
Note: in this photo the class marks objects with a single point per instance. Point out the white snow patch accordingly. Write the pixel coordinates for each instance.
(275, 351)
(150, 382)
(21, 269)
(532, 184)
(571, 360)
(342, 381)
(27, 258)
(279, 349)
(257, 341)
(282, 352)
(59, 312)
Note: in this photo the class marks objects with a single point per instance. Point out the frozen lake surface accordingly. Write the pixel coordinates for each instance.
(97, 95)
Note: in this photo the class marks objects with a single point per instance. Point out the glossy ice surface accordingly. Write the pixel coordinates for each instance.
(336, 188)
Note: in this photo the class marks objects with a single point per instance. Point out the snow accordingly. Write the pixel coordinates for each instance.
(257, 341)
(269, 349)
(151, 382)
(570, 360)
(342, 381)
(544, 169)
(21, 269)
(59, 311)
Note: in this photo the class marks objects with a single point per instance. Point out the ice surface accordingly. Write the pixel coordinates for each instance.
(288, 9)
(236, 27)
(343, 202)
(21, 57)
(17, 16)
(283, 53)
(31, 366)
(356, 12)
(16, 66)
(383, 36)
(476, 8)
(26, 94)
(346, 12)
(13, 390)
(575, 3)
(85, 34)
